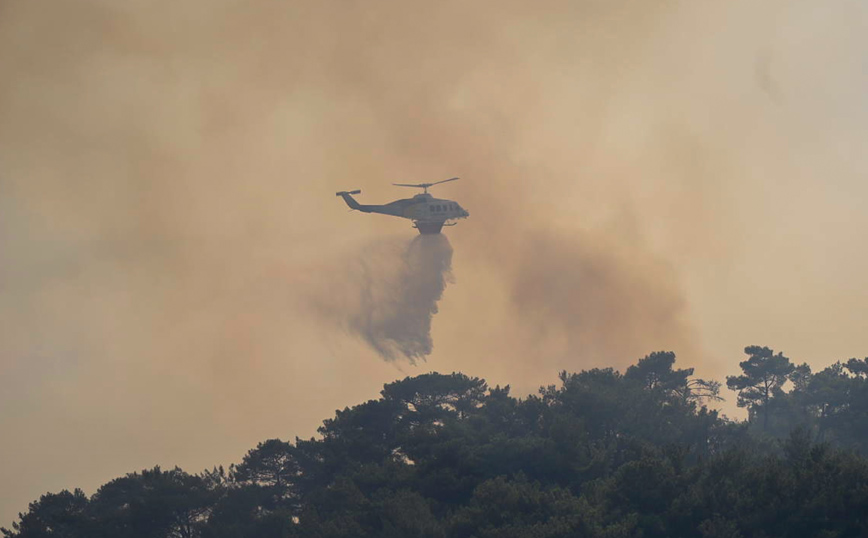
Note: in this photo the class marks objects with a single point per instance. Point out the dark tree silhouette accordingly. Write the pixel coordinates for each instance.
(270, 464)
(601, 455)
(54, 514)
(764, 375)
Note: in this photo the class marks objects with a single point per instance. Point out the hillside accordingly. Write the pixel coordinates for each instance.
(604, 454)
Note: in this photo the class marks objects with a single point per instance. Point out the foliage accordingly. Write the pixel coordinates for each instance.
(603, 454)
(764, 375)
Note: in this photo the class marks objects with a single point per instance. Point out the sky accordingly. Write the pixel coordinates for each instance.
(178, 281)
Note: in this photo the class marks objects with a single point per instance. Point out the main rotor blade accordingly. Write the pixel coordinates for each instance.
(423, 185)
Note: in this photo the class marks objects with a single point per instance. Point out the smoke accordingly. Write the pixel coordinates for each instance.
(602, 301)
(386, 293)
(179, 282)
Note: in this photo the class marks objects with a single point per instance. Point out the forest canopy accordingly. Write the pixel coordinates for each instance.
(602, 454)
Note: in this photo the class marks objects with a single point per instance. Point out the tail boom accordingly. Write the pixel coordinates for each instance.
(348, 198)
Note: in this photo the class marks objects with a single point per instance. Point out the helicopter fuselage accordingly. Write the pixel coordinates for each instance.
(428, 214)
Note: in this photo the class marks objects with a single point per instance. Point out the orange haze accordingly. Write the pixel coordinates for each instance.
(640, 176)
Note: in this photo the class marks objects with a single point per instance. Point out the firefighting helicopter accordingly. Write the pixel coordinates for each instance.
(428, 214)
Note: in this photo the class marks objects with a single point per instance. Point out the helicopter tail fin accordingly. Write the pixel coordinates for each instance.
(348, 198)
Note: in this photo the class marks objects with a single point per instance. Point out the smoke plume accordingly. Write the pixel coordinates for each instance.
(178, 281)
(386, 293)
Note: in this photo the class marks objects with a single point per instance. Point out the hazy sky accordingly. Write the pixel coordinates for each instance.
(641, 175)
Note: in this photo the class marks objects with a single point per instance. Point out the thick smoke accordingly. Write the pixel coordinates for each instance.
(387, 294)
(597, 299)
(640, 175)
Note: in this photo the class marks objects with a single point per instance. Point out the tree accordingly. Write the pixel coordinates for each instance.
(171, 503)
(271, 464)
(266, 496)
(519, 508)
(764, 375)
(60, 515)
(858, 368)
(656, 373)
(800, 376)
(604, 455)
(239, 513)
(434, 394)
(852, 421)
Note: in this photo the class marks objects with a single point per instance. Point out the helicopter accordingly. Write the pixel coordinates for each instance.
(428, 214)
